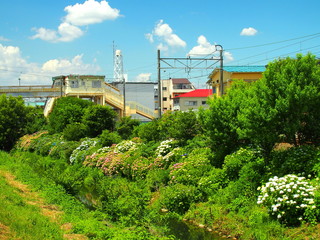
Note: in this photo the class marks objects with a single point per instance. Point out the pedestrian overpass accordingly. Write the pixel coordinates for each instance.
(89, 87)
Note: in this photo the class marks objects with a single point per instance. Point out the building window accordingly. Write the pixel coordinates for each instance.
(164, 99)
(204, 102)
(191, 103)
(164, 88)
(96, 84)
(74, 84)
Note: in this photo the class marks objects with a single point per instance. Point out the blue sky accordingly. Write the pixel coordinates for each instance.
(42, 39)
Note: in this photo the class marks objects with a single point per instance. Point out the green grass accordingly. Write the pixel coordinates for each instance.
(25, 221)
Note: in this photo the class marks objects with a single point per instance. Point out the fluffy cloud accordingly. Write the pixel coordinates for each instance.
(143, 77)
(227, 56)
(248, 31)
(66, 33)
(203, 48)
(14, 66)
(90, 12)
(165, 37)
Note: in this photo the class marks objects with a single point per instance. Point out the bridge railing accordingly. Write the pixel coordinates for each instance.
(141, 109)
(42, 88)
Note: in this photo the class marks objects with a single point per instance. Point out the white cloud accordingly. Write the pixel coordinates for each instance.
(165, 37)
(248, 31)
(143, 77)
(162, 47)
(203, 48)
(65, 66)
(90, 12)
(14, 66)
(3, 39)
(66, 33)
(69, 32)
(228, 56)
(149, 36)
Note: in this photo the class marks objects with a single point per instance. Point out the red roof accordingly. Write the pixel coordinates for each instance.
(197, 93)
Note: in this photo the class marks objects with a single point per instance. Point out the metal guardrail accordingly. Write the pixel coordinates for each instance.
(140, 108)
(39, 88)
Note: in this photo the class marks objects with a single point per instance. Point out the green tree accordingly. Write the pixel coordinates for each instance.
(285, 104)
(179, 125)
(66, 110)
(13, 120)
(125, 126)
(148, 131)
(221, 120)
(36, 121)
(98, 118)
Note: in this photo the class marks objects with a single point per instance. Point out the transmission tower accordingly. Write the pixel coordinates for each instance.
(118, 67)
(119, 77)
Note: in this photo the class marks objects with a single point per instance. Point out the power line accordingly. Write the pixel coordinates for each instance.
(286, 54)
(272, 43)
(266, 52)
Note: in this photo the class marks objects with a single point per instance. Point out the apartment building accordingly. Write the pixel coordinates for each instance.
(172, 88)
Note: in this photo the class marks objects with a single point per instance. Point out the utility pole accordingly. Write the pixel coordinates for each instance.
(188, 64)
(221, 70)
(159, 86)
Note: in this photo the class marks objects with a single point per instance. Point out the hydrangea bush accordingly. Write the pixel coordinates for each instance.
(79, 154)
(287, 198)
(125, 146)
(191, 168)
(165, 147)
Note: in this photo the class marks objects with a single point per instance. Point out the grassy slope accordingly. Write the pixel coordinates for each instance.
(21, 218)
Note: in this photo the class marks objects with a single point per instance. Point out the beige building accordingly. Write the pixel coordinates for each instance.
(192, 100)
(171, 88)
(230, 73)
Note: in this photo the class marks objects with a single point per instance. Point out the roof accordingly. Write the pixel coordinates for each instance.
(197, 93)
(257, 68)
(180, 80)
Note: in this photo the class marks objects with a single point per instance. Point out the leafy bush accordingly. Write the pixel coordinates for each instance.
(63, 150)
(13, 120)
(192, 168)
(178, 197)
(66, 110)
(125, 126)
(97, 118)
(74, 131)
(157, 178)
(148, 131)
(287, 198)
(212, 181)
(78, 155)
(44, 144)
(181, 126)
(108, 138)
(295, 160)
(235, 161)
(36, 121)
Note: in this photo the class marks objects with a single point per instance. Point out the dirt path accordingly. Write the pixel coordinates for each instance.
(49, 210)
